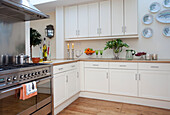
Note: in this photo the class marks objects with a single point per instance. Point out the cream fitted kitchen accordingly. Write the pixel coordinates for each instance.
(140, 83)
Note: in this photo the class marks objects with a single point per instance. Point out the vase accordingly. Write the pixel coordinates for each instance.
(116, 55)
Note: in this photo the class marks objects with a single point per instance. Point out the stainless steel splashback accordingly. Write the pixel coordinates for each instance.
(12, 38)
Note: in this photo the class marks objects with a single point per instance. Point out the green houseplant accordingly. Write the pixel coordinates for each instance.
(117, 46)
(34, 38)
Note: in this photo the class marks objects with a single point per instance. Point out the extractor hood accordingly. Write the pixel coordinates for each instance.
(19, 10)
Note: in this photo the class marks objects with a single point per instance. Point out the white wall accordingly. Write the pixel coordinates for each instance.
(157, 44)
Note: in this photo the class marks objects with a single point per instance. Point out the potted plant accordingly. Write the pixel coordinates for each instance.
(117, 46)
(34, 38)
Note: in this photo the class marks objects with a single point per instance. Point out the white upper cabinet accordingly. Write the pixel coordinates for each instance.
(131, 17)
(83, 20)
(93, 19)
(117, 17)
(105, 18)
(71, 22)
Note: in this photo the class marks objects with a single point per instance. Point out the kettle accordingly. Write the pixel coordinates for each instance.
(129, 54)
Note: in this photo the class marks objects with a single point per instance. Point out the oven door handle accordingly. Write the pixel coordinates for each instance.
(11, 89)
(18, 87)
(50, 77)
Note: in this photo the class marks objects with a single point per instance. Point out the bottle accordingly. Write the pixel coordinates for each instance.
(49, 52)
(41, 54)
(44, 50)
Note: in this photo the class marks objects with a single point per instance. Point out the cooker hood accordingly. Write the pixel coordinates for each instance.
(19, 10)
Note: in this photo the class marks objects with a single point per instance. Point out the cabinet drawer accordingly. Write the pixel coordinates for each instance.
(120, 65)
(97, 64)
(154, 66)
(64, 67)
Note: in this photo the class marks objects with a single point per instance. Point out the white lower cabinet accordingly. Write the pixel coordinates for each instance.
(59, 82)
(154, 84)
(123, 82)
(71, 83)
(96, 80)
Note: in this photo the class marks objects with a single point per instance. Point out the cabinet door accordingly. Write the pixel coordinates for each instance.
(83, 20)
(123, 83)
(131, 17)
(71, 83)
(105, 18)
(154, 84)
(71, 22)
(96, 80)
(117, 17)
(93, 19)
(59, 82)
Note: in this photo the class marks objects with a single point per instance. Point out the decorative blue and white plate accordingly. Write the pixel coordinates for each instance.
(166, 3)
(147, 19)
(155, 7)
(166, 31)
(147, 33)
(164, 17)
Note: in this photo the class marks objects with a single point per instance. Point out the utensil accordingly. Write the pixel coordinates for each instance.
(1, 59)
(129, 54)
(155, 57)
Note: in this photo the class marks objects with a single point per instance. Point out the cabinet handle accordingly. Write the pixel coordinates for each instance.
(125, 29)
(107, 76)
(67, 78)
(100, 31)
(122, 65)
(122, 29)
(139, 77)
(136, 76)
(154, 66)
(97, 30)
(78, 32)
(60, 69)
(95, 64)
(73, 66)
(77, 74)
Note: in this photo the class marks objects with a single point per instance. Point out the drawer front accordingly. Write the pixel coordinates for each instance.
(154, 66)
(97, 64)
(64, 67)
(120, 65)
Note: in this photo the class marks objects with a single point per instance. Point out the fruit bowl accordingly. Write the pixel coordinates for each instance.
(89, 52)
(35, 60)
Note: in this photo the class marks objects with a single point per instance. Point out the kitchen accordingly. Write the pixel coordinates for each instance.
(100, 57)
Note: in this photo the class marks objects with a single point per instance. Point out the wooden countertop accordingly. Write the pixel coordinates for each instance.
(65, 61)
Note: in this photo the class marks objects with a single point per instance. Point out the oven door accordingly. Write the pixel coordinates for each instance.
(10, 104)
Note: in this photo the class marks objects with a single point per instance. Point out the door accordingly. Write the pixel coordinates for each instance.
(83, 20)
(131, 17)
(59, 84)
(123, 83)
(71, 22)
(93, 19)
(154, 84)
(96, 80)
(117, 17)
(105, 18)
(71, 83)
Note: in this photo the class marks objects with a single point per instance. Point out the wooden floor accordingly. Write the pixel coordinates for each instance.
(84, 106)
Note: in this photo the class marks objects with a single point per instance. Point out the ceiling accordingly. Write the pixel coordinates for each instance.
(52, 4)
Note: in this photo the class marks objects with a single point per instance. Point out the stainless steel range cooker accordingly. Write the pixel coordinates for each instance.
(11, 79)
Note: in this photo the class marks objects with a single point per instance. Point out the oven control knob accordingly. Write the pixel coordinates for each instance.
(21, 76)
(36, 73)
(15, 78)
(39, 73)
(46, 71)
(33, 74)
(43, 71)
(29, 75)
(9, 80)
(25, 75)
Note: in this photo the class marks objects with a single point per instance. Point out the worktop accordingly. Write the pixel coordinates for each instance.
(65, 61)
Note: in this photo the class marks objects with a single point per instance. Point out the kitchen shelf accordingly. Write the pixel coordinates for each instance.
(103, 38)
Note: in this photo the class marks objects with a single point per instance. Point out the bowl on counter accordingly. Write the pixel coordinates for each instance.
(36, 59)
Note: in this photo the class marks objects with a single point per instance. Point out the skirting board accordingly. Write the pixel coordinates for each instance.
(124, 99)
(59, 108)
